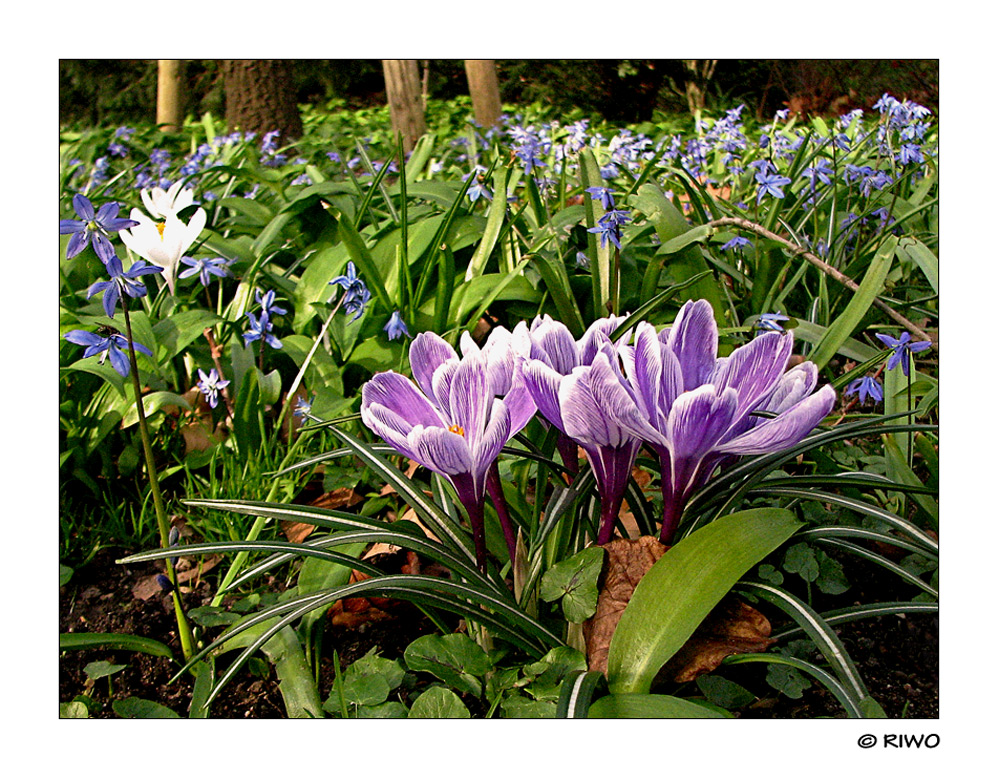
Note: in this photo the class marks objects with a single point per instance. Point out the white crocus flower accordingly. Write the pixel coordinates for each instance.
(162, 203)
(165, 242)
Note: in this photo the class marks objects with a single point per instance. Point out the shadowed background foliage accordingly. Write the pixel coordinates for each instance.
(100, 92)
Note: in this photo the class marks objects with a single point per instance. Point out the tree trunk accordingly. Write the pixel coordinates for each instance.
(402, 87)
(169, 103)
(700, 72)
(483, 86)
(260, 97)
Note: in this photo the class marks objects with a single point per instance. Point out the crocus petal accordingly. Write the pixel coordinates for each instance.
(397, 393)
(543, 383)
(556, 345)
(469, 395)
(428, 352)
(440, 394)
(441, 450)
(519, 402)
(494, 437)
(584, 417)
(389, 426)
(781, 432)
(618, 401)
(596, 335)
(753, 370)
(693, 338)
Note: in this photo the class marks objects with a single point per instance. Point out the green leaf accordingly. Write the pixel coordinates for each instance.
(722, 692)
(787, 680)
(73, 710)
(439, 703)
(139, 708)
(454, 659)
(151, 403)
(800, 559)
(149, 646)
(642, 706)
(494, 222)
(912, 249)
(101, 668)
(679, 591)
(575, 581)
(860, 304)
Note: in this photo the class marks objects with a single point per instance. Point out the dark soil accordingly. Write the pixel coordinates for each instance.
(897, 657)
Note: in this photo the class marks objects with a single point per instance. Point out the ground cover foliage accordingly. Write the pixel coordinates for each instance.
(480, 380)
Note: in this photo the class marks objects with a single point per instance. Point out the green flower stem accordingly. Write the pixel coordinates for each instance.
(183, 626)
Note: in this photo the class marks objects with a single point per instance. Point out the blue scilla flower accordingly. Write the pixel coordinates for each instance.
(261, 329)
(266, 303)
(122, 281)
(96, 226)
(604, 195)
(771, 322)
(210, 385)
(356, 294)
(866, 388)
(113, 346)
(205, 268)
(736, 243)
(396, 327)
(770, 184)
(901, 348)
(609, 227)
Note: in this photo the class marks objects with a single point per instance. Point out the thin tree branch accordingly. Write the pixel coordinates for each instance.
(829, 270)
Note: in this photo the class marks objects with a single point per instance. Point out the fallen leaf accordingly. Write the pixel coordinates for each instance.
(731, 628)
(297, 532)
(625, 563)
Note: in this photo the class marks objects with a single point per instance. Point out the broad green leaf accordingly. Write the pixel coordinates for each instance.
(151, 403)
(73, 710)
(178, 331)
(916, 251)
(644, 706)
(575, 581)
(679, 591)
(454, 659)
(139, 708)
(494, 222)
(439, 703)
(101, 668)
(860, 304)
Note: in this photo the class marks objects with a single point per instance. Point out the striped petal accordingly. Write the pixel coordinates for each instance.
(773, 435)
(693, 338)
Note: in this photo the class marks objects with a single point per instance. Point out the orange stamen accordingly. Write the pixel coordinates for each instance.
(458, 430)
(161, 227)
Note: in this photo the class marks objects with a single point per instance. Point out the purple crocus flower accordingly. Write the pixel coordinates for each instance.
(558, 375)
(114, 345)
(451, 420)
(901, 348)
(91, 225)
(697, 411)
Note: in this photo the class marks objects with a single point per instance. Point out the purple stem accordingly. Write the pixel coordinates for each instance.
(495, 489)
(569, 450)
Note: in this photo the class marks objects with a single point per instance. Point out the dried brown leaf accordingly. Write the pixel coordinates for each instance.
(732, 627)
(625, 563)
